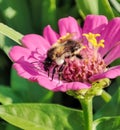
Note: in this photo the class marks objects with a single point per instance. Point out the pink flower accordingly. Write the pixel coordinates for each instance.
(73, 58)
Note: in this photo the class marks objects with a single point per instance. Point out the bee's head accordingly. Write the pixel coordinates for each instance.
(47, 63)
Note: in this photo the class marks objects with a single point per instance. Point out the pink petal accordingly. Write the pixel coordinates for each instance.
(69, 25)
(17, 52)
(50, 35)
(111, 35)
(47, 83)
(113, 54)
(56, 85)
(25, 69)
(34, 41)
(94, 23)
(72, 86)
(111, 73)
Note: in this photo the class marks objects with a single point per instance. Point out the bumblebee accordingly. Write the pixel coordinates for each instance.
(58, 52)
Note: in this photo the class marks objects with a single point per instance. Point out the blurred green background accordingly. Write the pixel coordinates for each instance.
(31, 16)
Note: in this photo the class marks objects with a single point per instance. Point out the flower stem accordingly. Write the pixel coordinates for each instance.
(88, 113)
(106, 96)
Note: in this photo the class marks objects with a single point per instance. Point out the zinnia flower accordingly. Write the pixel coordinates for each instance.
(73, 58)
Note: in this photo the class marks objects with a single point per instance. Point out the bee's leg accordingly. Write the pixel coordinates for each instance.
(60, 70)
(54, 70)
(79, 56)
(48, 72)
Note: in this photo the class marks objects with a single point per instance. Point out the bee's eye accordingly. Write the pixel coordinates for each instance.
(49, 62)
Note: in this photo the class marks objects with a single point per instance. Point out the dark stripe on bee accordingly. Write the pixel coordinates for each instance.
(57, 51)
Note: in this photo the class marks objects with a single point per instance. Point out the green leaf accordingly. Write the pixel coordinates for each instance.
(112, 108)
(16, 15)
(42, 117)
(102, 7)
(107, 123)
(6, 33)
(8, 96)
(43, 13)
(29, 91)
(2, 125)
(116, 62)
(64, 9)
(10, 33)
(5, 100)
(11, 127)
(116, 5)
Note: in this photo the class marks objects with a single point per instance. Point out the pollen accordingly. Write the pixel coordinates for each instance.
(64, 38)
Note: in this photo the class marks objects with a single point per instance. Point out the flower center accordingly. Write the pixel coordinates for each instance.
(72, 61)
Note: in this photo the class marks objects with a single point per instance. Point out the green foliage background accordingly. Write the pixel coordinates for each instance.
(31, 16)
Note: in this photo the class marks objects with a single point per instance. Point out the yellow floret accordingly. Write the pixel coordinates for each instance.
(92, 39)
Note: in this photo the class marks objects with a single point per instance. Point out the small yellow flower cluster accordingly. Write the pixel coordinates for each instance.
(92, 39)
